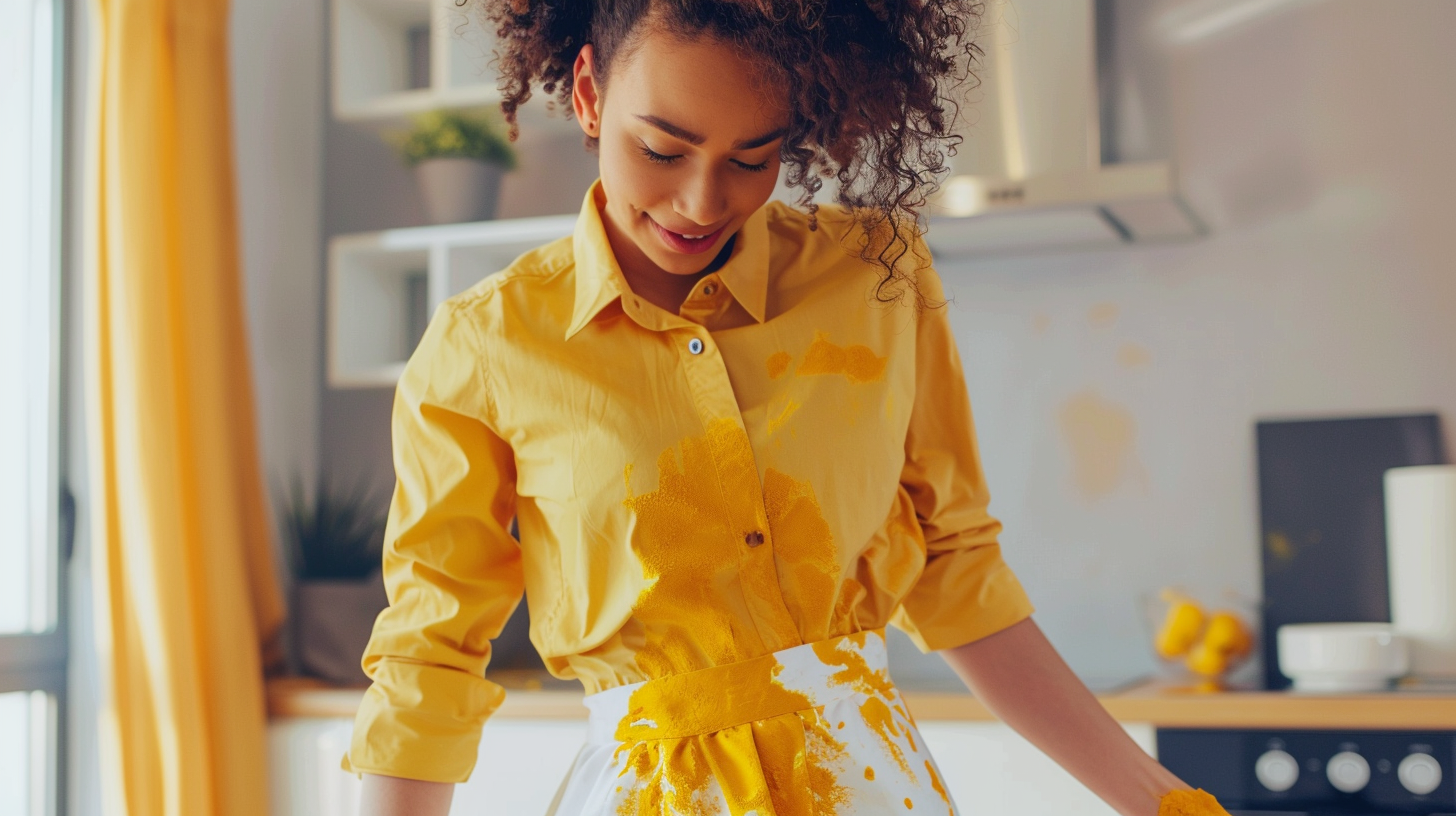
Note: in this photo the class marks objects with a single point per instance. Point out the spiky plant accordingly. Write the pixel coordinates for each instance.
(333, 535)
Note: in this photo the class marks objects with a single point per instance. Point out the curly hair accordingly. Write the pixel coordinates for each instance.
(870, 84)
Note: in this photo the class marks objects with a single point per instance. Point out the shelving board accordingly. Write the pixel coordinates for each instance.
(393, 59)
(384, 286)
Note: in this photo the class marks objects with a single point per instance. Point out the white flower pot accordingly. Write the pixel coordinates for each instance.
(458, 190)
(332, 623)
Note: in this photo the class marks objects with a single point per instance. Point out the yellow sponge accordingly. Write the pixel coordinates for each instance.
(1190, 803)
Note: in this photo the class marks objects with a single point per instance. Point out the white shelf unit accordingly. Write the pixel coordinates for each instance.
(396, 58)
(384, 286)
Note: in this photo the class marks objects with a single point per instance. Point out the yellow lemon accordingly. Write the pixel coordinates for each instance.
(1181, 627)
(1205, 661)
(1228, 634)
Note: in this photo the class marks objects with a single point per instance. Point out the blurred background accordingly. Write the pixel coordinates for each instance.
(1179, 232)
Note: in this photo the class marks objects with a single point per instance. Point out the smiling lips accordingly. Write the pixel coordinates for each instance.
(686, 244)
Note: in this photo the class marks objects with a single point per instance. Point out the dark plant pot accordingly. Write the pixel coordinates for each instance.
(332, 621)
(457, 190)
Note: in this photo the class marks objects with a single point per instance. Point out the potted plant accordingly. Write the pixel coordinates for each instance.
(458, 159)
(334, 540)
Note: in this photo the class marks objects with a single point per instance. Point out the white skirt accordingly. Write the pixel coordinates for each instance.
(815, 730)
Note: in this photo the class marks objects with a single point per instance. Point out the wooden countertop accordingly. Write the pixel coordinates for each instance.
(528, 697)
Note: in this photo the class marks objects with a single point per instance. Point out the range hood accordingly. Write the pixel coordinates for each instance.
(1029, 176)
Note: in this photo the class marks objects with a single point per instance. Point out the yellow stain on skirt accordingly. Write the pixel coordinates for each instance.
(939, 788)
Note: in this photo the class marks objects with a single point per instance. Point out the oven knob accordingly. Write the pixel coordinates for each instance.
(1419, 773)
(1348, 772)
(1276, 770)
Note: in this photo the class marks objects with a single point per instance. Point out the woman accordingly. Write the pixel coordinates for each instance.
(735, 437)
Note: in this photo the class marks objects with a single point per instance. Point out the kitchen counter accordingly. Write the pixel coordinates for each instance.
(532, 695)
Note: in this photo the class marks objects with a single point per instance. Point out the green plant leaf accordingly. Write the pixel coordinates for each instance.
(456, 134)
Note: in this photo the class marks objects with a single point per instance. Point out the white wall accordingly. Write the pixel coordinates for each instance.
(1116, 393)
(279, 105)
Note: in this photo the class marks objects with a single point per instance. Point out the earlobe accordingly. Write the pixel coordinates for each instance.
(585, 96)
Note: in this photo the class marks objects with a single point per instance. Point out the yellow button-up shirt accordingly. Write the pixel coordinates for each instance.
(786, 459)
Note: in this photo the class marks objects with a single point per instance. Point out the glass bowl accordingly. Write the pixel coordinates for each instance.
(1200, 642)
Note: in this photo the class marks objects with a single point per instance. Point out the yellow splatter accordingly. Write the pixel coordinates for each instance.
(1132, 355)
(777, 422)
(909, 805)
(881, 720)
(1103, 314)
(679, 536)
(856, 362)
(1101, 438)
(1190, 803)
(869, 773)
(1280, 546)
(778, 363)
(856, 673)
(936, 784)
(808, 559)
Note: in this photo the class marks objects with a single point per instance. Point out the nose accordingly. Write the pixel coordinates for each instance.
(703, 199)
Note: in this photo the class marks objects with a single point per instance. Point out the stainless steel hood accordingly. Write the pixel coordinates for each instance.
(1029, 176)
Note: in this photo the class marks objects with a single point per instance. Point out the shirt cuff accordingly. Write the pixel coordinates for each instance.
(421, 721)
(962, 596)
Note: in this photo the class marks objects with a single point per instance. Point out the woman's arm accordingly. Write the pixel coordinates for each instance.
(393, 796)
(1020, 677)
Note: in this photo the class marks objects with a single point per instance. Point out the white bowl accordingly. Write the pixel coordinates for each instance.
(1342, 657)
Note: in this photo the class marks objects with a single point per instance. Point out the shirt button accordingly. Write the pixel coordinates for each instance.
(753, 539)
(695, 346)
(709, 290)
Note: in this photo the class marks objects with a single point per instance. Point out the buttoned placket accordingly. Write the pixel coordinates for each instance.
(712, 392)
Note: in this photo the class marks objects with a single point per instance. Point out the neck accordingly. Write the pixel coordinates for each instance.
(649, 281)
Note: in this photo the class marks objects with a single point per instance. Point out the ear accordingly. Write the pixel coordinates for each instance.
(586, 96)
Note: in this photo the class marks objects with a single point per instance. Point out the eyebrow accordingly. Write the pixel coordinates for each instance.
(697, 139)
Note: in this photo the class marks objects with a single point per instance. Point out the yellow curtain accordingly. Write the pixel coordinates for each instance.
(188, 606)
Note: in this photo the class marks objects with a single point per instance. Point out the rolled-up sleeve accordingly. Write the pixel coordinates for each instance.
(966, 591)
(451, 568)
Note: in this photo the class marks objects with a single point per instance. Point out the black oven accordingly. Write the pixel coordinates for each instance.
(1317, 772)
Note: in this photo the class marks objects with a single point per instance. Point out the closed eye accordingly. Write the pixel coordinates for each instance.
(657, 158)
(753, 168)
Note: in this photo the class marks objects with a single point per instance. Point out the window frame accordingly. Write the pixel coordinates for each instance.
(38, 661)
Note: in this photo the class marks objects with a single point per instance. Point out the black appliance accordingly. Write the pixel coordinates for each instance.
(1322, 518)
(1317, 773)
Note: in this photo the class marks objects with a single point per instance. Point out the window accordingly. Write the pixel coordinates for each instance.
(32, 639)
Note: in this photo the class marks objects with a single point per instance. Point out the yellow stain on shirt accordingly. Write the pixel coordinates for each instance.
(778, 363)
(856, 362)
(678, 536)
(808, 559)
(777, 422)
(870, 773)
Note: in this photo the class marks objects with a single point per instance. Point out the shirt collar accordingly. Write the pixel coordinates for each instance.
(599, 280)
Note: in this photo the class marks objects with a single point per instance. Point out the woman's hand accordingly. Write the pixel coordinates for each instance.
(392, 796)
(1019, 676)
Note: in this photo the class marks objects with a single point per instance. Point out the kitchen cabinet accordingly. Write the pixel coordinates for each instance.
(989, 769)
(520, 766)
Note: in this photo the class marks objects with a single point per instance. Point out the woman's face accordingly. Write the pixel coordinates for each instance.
(689, 148)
